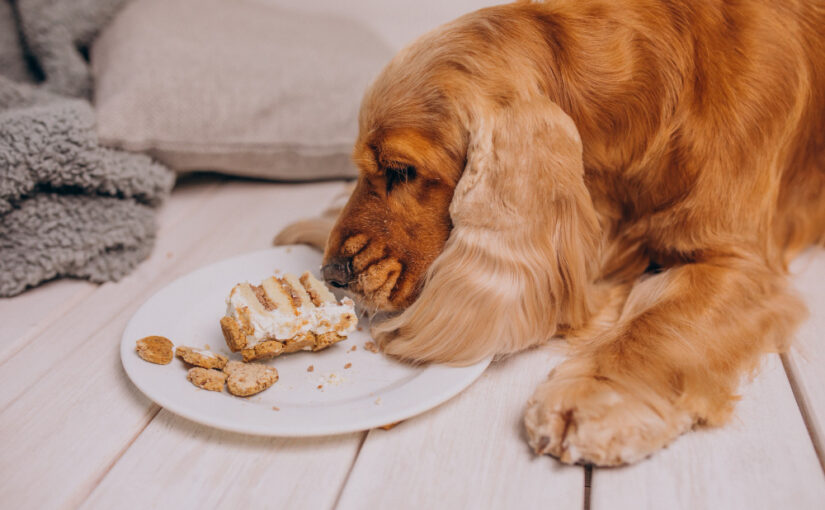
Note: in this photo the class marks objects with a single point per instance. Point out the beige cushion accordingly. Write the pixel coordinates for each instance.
(234, 86)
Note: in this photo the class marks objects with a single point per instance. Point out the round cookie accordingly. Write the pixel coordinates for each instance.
(206, 378)
(200, 357)
(155, 349)
(247, 379)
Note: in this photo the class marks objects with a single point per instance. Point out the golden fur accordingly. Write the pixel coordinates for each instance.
(632, 174)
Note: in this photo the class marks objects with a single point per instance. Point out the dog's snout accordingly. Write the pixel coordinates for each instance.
(338, 272)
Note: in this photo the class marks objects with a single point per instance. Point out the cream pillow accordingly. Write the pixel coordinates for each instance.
(234, 86)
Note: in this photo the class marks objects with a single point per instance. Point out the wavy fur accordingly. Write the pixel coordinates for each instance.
(633, 174)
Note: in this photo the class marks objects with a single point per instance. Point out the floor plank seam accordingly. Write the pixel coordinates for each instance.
(154, 410)
(351, 468)
(89, 338)
(21, 343)
(80, 297)
(804, 410)
(588, 483)
(161, 276)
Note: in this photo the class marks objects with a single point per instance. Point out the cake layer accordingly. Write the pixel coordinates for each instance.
(293, 311)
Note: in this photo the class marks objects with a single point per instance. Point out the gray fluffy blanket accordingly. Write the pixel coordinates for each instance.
(68, 207)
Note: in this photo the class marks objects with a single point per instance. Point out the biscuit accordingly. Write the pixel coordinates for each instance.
(324, 340)
(155, 349)
(263, 350)
(207, 378)
(247, 379)
(200, 357)
(232, 334)
(300, 343)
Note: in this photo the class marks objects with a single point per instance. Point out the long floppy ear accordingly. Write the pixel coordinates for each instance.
(520, 259)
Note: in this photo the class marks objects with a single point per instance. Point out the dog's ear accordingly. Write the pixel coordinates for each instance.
(520, 259)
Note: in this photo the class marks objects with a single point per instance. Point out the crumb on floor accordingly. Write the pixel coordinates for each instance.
(370, 346)
(206, 346)
(348, 365)
(378, 401)
(276, 408)
(353, 348)
(388, 426)
(310, 368)
(320, 386)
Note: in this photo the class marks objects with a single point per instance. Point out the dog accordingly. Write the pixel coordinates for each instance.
(633, 175)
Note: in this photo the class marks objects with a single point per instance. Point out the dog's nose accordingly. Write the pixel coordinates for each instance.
(338, 272)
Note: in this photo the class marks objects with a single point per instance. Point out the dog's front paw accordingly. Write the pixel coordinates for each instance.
(587, 420)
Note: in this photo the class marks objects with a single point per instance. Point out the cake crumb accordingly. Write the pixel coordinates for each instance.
(388, 426)
(276, 408)
(320, 386)
(370, 346)
(378, 401)
(333, 379)
(353, 348)
(359, 328)
(168, 254)
(348, 365)
(311, 368)
(206, 346)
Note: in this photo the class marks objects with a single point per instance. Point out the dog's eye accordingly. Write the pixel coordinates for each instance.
(399, 173)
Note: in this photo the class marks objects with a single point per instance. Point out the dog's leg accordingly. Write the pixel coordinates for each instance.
(683, 342)
(314, 231)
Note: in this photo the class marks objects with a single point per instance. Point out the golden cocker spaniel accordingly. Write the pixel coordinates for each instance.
(634, 175)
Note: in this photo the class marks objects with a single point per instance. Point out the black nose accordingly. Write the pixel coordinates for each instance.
(338, 272)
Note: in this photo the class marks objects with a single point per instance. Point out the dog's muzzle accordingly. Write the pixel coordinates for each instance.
(338, 272)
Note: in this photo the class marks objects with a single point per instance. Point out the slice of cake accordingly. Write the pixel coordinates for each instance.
(283, 315)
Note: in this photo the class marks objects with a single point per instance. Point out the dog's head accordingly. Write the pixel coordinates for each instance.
(410, 152)
(470, 211)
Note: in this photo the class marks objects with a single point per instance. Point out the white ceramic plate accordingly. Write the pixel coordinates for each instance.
(374, 391)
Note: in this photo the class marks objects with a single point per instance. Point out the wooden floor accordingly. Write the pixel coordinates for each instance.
(74, 432)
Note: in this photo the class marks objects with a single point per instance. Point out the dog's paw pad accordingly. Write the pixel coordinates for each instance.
(588, 421)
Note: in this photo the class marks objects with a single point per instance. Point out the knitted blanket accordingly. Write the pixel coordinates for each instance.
(68, 207)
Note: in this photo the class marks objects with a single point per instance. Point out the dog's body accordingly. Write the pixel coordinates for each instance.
(524, 168)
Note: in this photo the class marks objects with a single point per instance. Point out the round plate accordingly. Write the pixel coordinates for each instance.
(333, 391)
